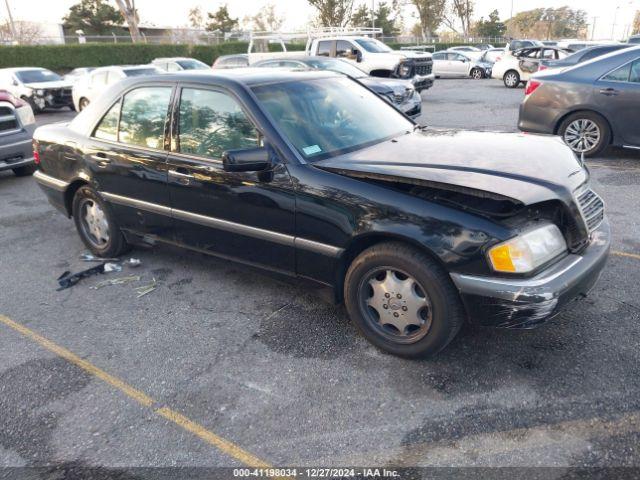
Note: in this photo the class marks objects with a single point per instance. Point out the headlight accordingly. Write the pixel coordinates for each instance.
(405, 70)
(527, 251)
(40, 92)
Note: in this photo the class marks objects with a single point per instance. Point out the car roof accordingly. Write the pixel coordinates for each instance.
(171, 59)
(237, 76)
(21, 69)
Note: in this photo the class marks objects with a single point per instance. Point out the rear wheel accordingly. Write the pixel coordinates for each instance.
(96, 224)
(585, 132)
(477, 74)
(402, 300)
(24, 171)
(83, 103)
(511, 79)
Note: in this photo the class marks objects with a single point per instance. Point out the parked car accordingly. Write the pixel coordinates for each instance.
(178, 64)
(313, 175)
(231, 61)
(88, 88)
(453, 64)
(39, 87)
(492, 55)
(635, 39)
(471, 52)
(516, 44)
(517, 68)
(484, 46)
(74, 75)
(17, 124)
(591, 105)
(581, 56)
(400, 93)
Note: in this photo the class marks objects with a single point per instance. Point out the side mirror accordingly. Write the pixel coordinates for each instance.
(15, 83)
(357, 54)
(246, 160)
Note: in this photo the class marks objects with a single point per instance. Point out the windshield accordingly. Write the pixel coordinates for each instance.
(372, 45)
(330, 116)
(36, 76)
(138, 72)
(337, 66)
(192, 65)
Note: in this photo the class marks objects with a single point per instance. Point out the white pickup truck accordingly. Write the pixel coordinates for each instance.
(356, 45)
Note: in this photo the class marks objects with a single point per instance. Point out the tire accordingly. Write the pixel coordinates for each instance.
(83, 103)
(25, 171)
(110, 242)
(477, 74)
(32, 104)
(437, 319)
(597, 134)
(511, 79)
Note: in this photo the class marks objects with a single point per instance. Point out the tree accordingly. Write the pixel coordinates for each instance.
(221, 21)
(195, 17)
(385, 18)
(361, 17)
(460, 11)
(492, 27)
(333, 13)
(636, 24)
(20, 33)
(266, 20)
(130, 14)
(93, 17)
(430, 13)
(549, 23)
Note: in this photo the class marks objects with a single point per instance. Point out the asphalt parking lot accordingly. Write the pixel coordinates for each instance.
(223, 365)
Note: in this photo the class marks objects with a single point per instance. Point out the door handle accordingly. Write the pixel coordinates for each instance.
(181, 175)
(101, 159)
(609, 92)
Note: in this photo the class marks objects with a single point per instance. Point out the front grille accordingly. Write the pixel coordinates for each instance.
(591, 208)
(423, 69)
(8, 120)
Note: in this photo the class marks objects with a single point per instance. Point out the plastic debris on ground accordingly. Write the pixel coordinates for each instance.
(116, 281)
(133, 262)
(145, 289)
(112, 267)
(88, 257)
(68, 279)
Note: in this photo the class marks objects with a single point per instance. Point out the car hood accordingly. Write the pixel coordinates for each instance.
(385, 85)
(56, 84)
(523, 167)
(410, 54)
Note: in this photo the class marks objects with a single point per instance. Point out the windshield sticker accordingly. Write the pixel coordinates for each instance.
(310, 150)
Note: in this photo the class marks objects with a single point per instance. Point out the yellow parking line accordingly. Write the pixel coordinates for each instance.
(625, 254)
(211, 438)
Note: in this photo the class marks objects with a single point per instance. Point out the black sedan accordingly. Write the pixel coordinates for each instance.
(591, 105)
(312, 175)
(581, 56)
(400, 93)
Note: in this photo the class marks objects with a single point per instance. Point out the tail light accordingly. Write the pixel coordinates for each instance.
(36, 152)
(532, 86)
(542, 67)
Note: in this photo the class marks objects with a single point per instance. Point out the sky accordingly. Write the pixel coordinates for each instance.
(611, 15)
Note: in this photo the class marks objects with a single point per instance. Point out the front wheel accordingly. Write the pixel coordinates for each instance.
(477, 74)
(511, 79)
(96, 224)
(585, 132)
(83, 103)
(402, 300)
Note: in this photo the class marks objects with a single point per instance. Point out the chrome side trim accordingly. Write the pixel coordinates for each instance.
(132, 202)
(269, 235)
(21, 142)
(317, 247)
(631, 146)
(49, 181)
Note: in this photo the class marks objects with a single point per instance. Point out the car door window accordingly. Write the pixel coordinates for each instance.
(107, 129)
(144, 113)
(620, 74)
(549, 54)
(211, 122)
(173, 67)
(324, 48)
(438, 56)
(99, 79)
(291, 64)
(344, 48)
(635, 72)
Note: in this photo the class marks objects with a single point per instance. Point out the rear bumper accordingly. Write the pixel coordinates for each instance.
(526, 303)
(16, 151)
(54, 189)
(536, 119)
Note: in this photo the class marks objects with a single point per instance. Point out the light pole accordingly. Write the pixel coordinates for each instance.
(593, 29)
(12, 25)
(373, 15)
(615, 17)
(511, 10)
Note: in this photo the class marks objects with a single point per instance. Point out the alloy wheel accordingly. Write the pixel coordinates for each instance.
(395, 305)
(94, 222)
(84, 103)
(476, 74)
(511, 79)
(582, 135)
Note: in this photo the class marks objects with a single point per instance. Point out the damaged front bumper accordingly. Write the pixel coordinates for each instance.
(526, 303)
(422, 82)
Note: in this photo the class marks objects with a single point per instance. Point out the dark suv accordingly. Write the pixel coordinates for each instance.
(312, 175)
(16, 129)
